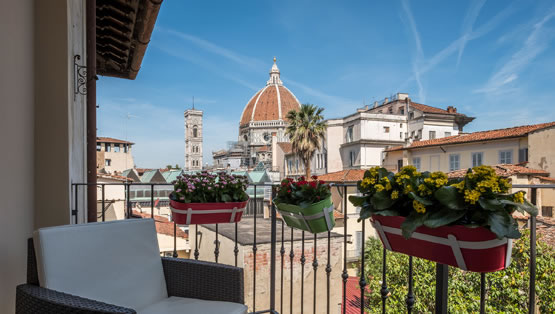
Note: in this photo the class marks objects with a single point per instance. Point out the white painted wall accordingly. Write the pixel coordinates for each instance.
(17, 133)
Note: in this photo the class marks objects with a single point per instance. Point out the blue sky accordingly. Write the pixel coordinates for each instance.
(494, 60)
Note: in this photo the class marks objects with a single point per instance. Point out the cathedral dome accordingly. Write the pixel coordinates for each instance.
(271, 103)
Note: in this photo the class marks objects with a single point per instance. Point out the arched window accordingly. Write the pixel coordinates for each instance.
(195, 131)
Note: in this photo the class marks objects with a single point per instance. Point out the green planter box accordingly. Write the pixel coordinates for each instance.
(315, 218)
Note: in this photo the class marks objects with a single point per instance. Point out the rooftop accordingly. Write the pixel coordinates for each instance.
(245, 234)
(504, 170)
(112, 140)
(513, 132)
(163, 225)
(349, 175)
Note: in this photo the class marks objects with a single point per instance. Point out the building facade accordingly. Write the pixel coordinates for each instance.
(114, 155)
(193, 140)
(358, 141)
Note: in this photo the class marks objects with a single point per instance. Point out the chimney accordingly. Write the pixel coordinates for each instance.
(375, 104)
(451, 109)
(386, 100)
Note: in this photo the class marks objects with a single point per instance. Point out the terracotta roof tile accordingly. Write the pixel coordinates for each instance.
(430, 109)
(264, 149)
(503, 170)
(111, 140)
(114, 177)
(350, 175)
(266, 106)
(286, 147)
(478, 136)
(163, 225)
(353, 299)
(545, 228)
(548, 179)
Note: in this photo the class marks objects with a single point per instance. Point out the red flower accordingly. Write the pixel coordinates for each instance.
(303, 182)
(288, 191)
(290, 179)
(313, 184)
(314, 177)
(322, 182)
(301, 178)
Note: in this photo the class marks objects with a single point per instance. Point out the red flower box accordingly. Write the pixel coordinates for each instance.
(472, 249)
(206, 213)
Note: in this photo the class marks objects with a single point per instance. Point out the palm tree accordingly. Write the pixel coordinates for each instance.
(306, 130)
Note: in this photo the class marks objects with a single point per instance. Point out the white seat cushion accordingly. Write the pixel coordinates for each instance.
(116, 262)
(176, 305)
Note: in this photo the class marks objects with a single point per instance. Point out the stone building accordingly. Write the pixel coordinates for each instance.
(358, 140)
(113, 155)
(193, 139)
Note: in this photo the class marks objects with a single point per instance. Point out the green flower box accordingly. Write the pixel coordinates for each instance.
(315, 218)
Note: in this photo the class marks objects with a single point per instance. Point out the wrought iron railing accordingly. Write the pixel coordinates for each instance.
(288, 256)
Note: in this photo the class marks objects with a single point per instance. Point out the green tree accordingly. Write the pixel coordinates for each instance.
(306, 130)
(506, 290)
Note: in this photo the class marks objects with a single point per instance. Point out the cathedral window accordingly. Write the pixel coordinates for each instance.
(195, 131)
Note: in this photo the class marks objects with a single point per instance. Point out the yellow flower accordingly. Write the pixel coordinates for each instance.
(419, 207)
(365, 182)
(471, 196)
(519, 197)
(459, 186)
(379, 187)
(388, 186)
(394, 195)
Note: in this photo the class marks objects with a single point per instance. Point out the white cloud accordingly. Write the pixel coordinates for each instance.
(468, 24)
(419, 51)
(537, 42)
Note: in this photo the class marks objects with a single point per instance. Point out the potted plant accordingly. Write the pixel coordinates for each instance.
(206, 198)
(466, 223)
(305, 205)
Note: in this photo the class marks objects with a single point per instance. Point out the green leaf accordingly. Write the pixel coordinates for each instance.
(500, 223)
(357, 200)
(226, 198)
(449, 196)
(387, 212)
(382, 200)
(526, 206)
(443, 217)
(382, 172)
(422, 200)
(365, 213)
(413, 221)
(491, 204)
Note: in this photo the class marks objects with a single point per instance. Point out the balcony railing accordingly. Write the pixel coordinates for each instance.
(291, 249)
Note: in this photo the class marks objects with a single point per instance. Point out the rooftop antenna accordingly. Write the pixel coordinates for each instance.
(193, 102)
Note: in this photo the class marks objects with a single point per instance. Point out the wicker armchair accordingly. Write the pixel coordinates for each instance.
(184, 278)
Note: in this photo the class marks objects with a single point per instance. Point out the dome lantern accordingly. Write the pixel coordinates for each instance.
(274, 75)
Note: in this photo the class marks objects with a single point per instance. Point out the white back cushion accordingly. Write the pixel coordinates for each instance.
(115, 262)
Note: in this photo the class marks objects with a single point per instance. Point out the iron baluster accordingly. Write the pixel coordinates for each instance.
(410, 296)
(236, 249)
(282, 254)
(103, 203)
(128, 201)
(75, 211)
(344, 275)
(362, 281)
(291, 257)
(532, 287)
(254, 249)
(196, 243)
(174, 240)
(273, 258)
(384, 291)
(328, 274)
(315, 268)
(152, 201)
(216, 246)
(303, 260)
(482, 293)
(442, 278)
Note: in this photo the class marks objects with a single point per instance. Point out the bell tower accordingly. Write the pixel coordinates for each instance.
(193, 139)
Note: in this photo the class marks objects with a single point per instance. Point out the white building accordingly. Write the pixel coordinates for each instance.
(358, 140)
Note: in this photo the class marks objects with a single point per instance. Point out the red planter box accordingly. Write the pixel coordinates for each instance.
(206, 213)
(472, 249)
